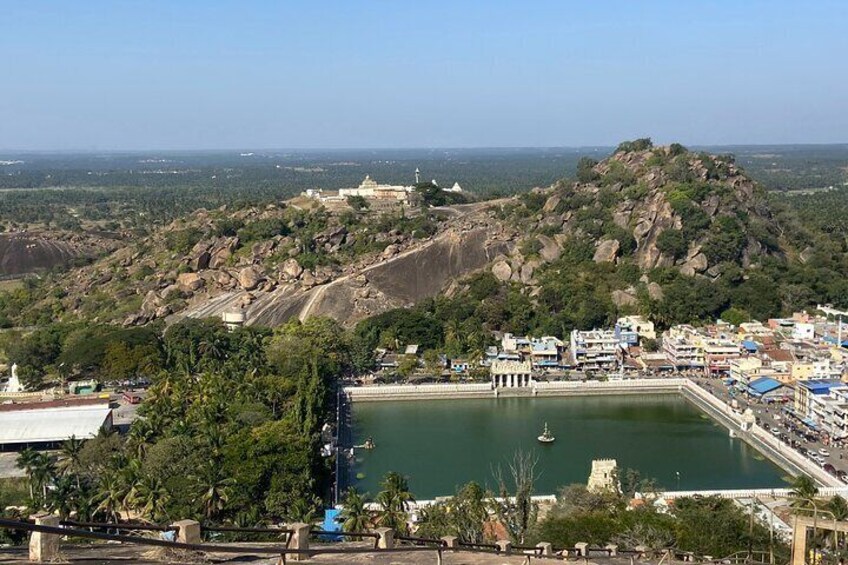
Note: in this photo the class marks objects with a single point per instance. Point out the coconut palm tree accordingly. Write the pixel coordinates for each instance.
(804, 492)
(111, 496)
(838, 508)
(355, 516)
(213, 489)
(394, 501)
(69, 457)
(62, 498)
(150, 498)
(26, 461)
(44, 470)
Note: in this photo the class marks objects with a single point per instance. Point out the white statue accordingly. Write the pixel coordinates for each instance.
(14, 384)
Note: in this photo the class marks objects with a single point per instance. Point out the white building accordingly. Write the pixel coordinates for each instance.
(804, 331)
(370, 189)
(639, 325)
(46, 427)
(511, 374)
(683, 346)
(594, 349)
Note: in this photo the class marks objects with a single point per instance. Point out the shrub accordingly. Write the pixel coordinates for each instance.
(640, 144)
(673, 243)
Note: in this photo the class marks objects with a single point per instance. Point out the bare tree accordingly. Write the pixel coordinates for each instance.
(517, 511)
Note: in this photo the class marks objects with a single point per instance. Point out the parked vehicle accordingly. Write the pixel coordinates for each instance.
(824, 452)
(131, 397)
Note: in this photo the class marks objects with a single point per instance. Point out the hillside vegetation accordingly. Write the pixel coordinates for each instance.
(677, 235)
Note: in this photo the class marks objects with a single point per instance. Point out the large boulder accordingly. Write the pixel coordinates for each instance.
(201, 261)
(250, 277)
(607, 251)
(502, 271)
(189, 282)
(550, 251)
(655, 291)
(551, 204)
(390, 250)
(623, 298)
(292, 269)
(695, 264)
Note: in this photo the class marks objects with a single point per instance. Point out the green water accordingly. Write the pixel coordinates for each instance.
(440, 444)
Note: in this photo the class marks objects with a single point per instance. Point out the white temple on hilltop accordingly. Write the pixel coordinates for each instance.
(369, 188)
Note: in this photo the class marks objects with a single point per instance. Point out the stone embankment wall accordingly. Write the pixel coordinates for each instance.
(779, 453)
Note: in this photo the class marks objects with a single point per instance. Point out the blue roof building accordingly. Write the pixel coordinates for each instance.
(750, 346)
(763, 386)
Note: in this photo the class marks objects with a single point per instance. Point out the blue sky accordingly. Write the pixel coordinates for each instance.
(396, 73)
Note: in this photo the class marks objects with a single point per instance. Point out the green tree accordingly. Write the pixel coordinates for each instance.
(394, 501)
(355, 516)
(69, 457)
(804, 492)
(27, 461)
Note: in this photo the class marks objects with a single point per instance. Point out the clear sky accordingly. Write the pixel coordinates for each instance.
(181, 74)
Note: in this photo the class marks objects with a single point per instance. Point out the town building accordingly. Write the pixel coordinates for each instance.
(766, 389)
(807, 391)
(823, 405)
(814, 370)
(745, 369)
(633, 329)
(511, 374)
(545, 352)
(233, 319)
(718, 353)
(594, 349)
(683, 346)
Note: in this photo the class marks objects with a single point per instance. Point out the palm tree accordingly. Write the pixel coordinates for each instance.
(804, 492)
(111, 496)
(838, 507)
(69, 457)
(355, 516)
(62, 498)
(150, 498)
(44, 470)
(394, 501)
(27, 460)
(213, 490)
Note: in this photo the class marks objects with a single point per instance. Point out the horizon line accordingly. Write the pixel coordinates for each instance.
(387, 148)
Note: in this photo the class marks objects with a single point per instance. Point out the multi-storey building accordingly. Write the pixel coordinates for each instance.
(632, 329)
(823, 404)
(718, 353)
(683, 346)
(594, 349)
(546, 352)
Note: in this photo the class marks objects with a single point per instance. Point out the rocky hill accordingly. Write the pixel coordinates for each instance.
(644, 208)
(656, 207)
(32, 252)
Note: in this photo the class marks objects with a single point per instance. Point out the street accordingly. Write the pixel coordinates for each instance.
(793, 434)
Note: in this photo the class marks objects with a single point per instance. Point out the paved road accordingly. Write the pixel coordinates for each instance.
(788, 427)
(8, 465)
